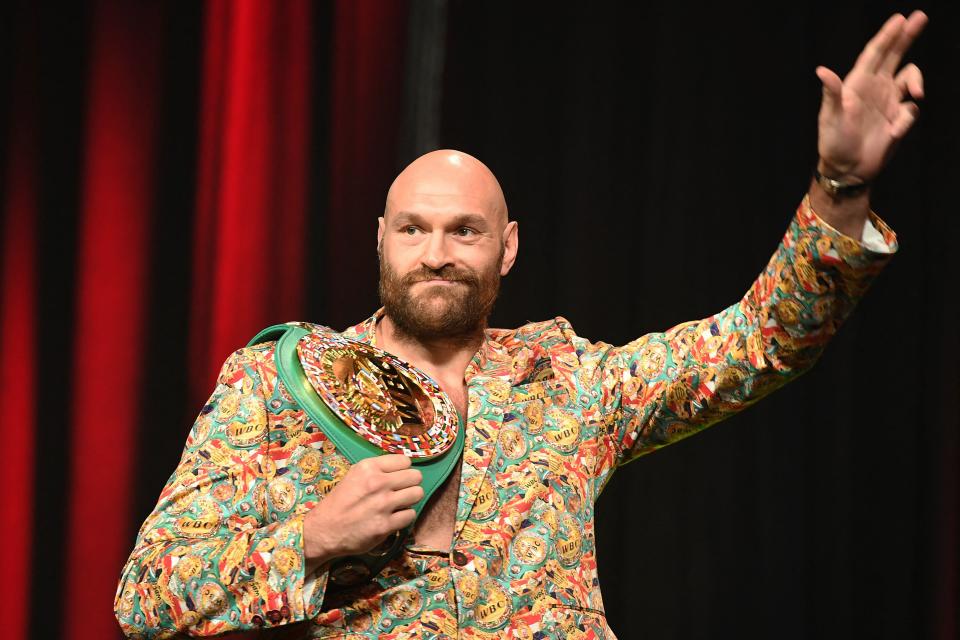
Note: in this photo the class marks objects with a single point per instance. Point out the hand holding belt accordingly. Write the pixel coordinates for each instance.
(368, 402)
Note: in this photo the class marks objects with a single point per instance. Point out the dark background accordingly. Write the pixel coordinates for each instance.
(653, 156)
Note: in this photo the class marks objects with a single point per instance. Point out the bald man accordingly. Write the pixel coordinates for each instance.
(263, 503)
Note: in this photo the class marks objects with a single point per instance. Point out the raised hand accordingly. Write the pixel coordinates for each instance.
(865, 114)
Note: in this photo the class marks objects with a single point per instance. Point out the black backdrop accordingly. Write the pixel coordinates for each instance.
(653, 156)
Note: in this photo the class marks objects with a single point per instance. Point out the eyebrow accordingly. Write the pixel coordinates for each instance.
(458, 220)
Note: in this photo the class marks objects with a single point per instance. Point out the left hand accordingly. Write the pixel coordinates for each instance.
(865, 114)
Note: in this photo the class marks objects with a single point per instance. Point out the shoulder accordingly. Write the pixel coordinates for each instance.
(266, 339)
(273, 332)
(545, 334)
(257, 355)
(556, 337)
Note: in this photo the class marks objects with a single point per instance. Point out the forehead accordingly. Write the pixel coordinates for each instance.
(436, 199)
(440, 204)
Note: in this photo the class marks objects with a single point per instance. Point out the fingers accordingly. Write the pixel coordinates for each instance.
(876, 51)
(390, 462)
(402, 519)
(909, 31)
(406, 497)
(404, 478)
(886, 49)
(910, 82)
(905, 118)
(832, 89)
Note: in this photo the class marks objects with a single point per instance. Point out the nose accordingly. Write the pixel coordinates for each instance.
(436, 254)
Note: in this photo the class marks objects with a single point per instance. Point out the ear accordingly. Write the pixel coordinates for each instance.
(380, 229)
(511, 244)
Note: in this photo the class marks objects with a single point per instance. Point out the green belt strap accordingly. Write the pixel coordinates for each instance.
(353, 447)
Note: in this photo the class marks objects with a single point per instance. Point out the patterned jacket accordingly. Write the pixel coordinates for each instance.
(550, 417)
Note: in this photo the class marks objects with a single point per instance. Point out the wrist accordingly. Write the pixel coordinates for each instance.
(845, 214)
(318, 546)
(837, 184)
(839, 174)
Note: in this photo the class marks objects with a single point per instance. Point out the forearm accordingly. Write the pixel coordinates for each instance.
(250, 579)
(668, 385)
(222, 550)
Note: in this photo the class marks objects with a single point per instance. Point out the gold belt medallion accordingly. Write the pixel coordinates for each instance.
(384, 400)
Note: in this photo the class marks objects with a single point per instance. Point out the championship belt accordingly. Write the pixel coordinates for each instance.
(368, 403)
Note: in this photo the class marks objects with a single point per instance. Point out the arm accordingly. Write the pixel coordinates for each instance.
(209, 559)
(239, 541)
(666, 386)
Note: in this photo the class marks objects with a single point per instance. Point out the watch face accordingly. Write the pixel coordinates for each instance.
(384, 400)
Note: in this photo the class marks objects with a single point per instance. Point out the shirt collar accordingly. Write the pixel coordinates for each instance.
(365, 331)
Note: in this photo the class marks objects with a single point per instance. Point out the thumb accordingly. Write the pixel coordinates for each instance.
(832, 89)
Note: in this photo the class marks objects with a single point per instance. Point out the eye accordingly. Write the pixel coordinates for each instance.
(410, 230)
(465, 232)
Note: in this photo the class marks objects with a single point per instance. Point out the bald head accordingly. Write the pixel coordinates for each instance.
(448, 178)
(444, 242)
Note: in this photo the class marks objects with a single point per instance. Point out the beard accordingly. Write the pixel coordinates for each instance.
(441, 311)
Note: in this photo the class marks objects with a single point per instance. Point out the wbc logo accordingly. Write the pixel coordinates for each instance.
(387, 402)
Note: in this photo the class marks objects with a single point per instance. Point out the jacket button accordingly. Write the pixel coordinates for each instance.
(460, 558)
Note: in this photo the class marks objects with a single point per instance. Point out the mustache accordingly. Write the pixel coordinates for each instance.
(451, 274)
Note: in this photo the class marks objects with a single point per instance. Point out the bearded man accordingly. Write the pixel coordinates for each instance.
(263, 502)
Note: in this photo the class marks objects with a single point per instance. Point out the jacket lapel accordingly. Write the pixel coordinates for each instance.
(488, 392)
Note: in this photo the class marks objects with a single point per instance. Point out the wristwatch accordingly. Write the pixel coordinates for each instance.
(838, 189)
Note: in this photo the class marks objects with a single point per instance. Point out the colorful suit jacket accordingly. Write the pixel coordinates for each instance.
(550, 417)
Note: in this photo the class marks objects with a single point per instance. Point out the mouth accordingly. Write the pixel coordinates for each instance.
(438, 281)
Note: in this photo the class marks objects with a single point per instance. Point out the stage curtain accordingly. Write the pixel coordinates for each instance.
(88, 246)
(365, 112)
(176, 176)
(113, 253)
(18, 317)
(251, 200)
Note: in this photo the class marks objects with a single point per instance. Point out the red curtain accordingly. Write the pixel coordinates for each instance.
(250, 223)
(253, 163)
(367, 77)
(18, 309)
(113, 258)
(17, 389)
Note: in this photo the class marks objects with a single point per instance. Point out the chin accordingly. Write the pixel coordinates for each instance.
(435, 312)
(438, 300)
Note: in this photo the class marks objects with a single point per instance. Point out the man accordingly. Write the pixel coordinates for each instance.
(262, 503)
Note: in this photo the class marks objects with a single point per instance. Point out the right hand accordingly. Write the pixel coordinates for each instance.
(371, 502)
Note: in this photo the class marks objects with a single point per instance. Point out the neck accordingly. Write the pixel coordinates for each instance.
(444, 358)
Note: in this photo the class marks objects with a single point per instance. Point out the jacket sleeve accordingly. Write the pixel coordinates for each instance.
(214, 556)
(666, 386)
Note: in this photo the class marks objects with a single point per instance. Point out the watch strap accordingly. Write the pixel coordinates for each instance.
(837, 188)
